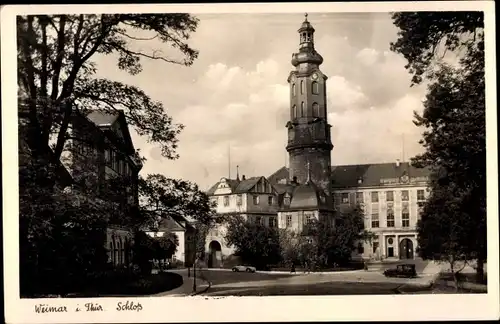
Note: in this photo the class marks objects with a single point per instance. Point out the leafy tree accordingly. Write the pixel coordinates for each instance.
(255, 243)
(56, 84)
(56, 71)
(175, 197)
(336, 242)
(444, 229)
(144, 251)
(165, 246)
(454, 124)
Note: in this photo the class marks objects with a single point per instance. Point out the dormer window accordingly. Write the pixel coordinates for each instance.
(286, 200)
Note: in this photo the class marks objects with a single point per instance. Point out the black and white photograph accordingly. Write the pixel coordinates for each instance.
(172, 155)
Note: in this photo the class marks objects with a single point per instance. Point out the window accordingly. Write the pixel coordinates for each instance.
(375, 220)
(107, 156)
(293, 89)
(405, 215)
(226, 201)
(315, 87)
(302, 87)
(420, 209)
(294, 112)
(255, 200)
(345, 198)
(302, 109)
(359, 198)
(288, 220)
(420, 195)
(272, 221)
(239, 200)
(374, 195)
(361, 248)
(390, 195)
(375, 247)
(270, 200)
(390, 217)
(404, 195)
(286, 200)
(308, 219)
(258, 220)
(315, 107)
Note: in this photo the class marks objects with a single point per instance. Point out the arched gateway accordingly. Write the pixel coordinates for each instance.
(406, 249)
(215, 255)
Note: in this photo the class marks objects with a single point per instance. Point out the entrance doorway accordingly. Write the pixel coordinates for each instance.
(406, 249)
(215, 255)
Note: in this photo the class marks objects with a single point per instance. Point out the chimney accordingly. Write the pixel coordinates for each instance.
(243, 177)
(397, 163)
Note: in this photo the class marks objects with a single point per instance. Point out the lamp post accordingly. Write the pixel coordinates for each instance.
(194, 263)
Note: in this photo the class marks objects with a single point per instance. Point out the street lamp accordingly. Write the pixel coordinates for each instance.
(194, 262)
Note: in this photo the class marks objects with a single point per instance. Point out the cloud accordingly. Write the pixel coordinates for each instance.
(236, 94)
(368, 56)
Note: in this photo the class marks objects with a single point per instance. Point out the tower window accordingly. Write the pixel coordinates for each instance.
(302, 87)
(315, 87)
(293, 89)
(294, 111)
(316, 112)
(302, 109)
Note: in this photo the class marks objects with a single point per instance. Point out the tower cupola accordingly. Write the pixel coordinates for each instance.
(307, 53)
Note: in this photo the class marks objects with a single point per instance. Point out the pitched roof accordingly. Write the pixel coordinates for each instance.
(346, 176)
(281, 173)
(103, 118)
(233, 183)
(371, 174)
(247, 184)
(169, 224)
(237, 186)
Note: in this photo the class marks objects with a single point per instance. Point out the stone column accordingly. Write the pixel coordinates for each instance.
(396, 246)
(382, 246)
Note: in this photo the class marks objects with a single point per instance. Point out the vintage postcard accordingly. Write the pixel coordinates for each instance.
(250, 162)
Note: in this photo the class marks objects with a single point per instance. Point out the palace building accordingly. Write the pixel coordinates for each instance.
(311, 188)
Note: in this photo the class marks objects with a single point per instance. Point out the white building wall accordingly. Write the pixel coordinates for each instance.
(384, 233)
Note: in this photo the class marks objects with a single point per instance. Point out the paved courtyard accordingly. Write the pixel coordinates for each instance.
(224, 282)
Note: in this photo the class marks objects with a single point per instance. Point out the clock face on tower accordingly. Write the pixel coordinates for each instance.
(315, 76)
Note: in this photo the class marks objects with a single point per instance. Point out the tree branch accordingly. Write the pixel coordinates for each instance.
(136, 38)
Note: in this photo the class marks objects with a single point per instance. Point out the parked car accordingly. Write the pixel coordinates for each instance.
(239, 268)
(402, 271)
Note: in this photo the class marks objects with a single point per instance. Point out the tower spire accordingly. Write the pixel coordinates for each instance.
(305, 15)
(238, 173)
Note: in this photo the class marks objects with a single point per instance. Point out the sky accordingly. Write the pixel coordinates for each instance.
(236, 94)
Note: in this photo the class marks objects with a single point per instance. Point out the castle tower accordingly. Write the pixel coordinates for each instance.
(309, 141)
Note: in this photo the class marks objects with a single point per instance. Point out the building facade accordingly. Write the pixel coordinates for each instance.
(311, 188)
(102, 161)
(254, 199)
(185, 233)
